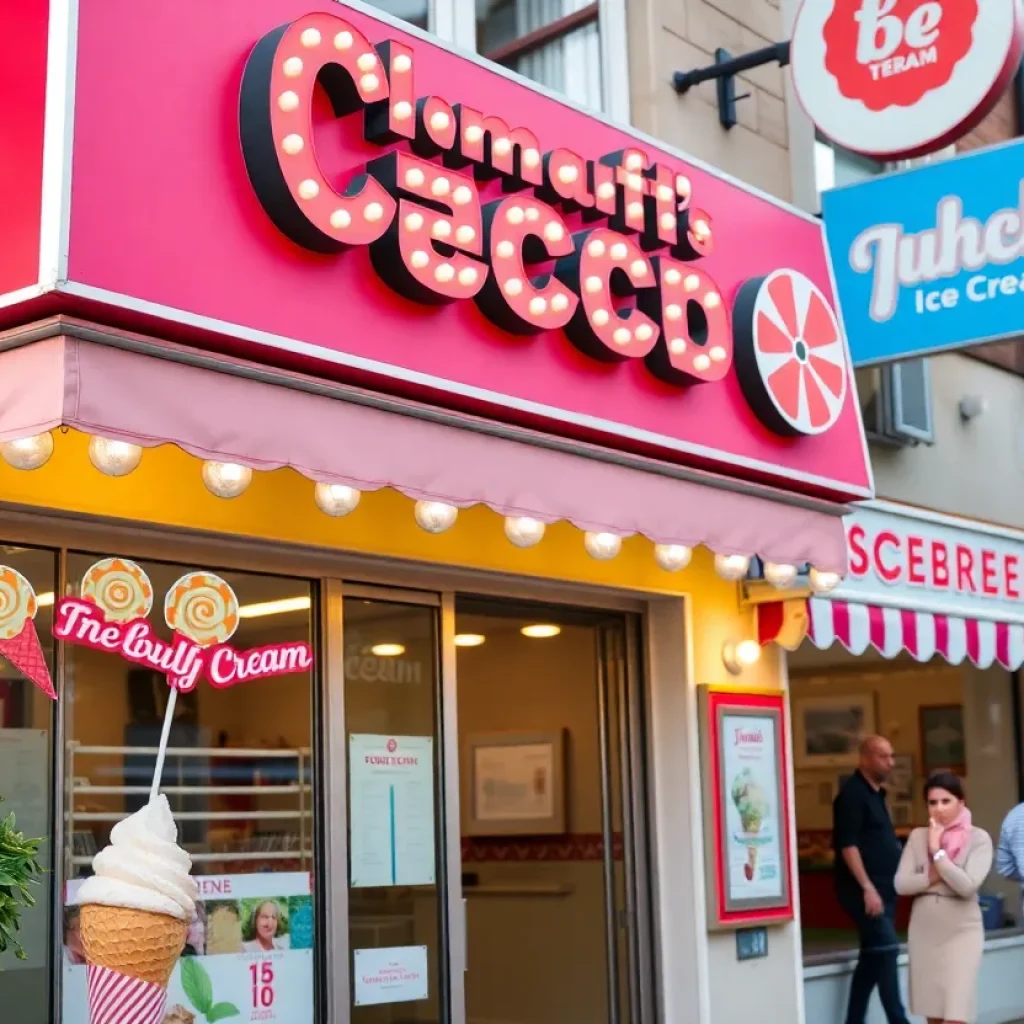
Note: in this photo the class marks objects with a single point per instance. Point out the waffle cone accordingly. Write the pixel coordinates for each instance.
(134, 942)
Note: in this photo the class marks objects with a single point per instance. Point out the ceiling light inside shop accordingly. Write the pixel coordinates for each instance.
(541, 630)
(469, 639)
(387, 650)
(285, 604)
(45, 600)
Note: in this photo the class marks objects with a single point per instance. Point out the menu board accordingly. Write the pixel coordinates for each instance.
(750, 770)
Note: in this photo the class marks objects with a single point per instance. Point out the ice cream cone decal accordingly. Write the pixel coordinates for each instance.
(19, 641)
(135, 913)
(751, 867)
(752, 804)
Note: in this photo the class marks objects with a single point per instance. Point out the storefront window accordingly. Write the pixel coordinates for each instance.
(395, 838)
(557, 43)
(540, 692)
(26, 758)
(936, 716)
(416, 12)
(239, 778)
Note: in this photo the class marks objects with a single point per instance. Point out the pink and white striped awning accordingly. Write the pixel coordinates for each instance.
(920, 634)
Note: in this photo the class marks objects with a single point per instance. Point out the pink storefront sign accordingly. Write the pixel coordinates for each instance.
(315, 187)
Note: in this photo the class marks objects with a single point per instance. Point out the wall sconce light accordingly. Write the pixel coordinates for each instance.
(740, 654)
(972, 406)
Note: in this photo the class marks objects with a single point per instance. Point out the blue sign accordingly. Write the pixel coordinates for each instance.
(932, 258)
(751, 943)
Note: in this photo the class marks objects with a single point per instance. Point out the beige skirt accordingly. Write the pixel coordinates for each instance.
(945, 945)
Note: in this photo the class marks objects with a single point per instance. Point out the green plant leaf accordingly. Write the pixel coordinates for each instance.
(221, 1011)
(197, 985)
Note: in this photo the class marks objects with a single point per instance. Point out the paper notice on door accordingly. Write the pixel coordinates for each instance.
(391, 801)
(395, 975)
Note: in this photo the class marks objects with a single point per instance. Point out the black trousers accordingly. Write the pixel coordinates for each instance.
(876, 966)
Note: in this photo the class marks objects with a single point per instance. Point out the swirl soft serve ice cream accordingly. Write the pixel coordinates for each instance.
(136, 908)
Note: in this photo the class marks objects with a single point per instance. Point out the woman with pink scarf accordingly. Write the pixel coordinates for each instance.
(943, 866)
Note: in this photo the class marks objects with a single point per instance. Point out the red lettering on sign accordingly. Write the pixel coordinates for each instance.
(940, 564)
(1011, 571)
(989, 583)
(964, 568)
(915, 560)
(858, 556)
(887, 539)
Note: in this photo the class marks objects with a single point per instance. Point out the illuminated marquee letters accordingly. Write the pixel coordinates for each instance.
(433, 240)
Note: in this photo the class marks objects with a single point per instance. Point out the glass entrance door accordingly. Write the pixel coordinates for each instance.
(397, 899)
(492, 814)
(551, 927)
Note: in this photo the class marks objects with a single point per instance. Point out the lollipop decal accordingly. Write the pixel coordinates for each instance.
(119, 588)
(202, 607)
(19, 641)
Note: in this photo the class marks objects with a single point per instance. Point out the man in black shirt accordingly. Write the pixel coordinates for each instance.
(867, 854)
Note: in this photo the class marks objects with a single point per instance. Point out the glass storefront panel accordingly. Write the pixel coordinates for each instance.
(26, 784)
(239, 778)
(936, 716)
(539, 692)
(397, 887)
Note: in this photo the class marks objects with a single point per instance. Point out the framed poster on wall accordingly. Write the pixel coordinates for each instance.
(516, 784)
(746, 807)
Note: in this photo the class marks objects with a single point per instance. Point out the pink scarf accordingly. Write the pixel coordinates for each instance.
(957, 835)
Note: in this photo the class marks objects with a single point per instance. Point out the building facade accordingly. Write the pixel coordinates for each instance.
(947, 449)
(357, 362)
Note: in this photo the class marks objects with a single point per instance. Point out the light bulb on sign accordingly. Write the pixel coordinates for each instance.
(28, 452)
(672, 557)
(226, 479)
(732, 567)
(435, 516)
(779, 574)
(336, 499)
(115, 458)
(822, 582)
(602, 546)
(738, 655)
(524, 531)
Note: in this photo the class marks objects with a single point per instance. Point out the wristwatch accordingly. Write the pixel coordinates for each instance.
(938, 855)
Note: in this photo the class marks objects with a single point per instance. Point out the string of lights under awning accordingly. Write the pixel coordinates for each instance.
(128, 401)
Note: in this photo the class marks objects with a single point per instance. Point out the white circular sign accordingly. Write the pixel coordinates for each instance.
(790, 356)
(900, 78)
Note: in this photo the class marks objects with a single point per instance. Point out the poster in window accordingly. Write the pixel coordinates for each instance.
(746, 808)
